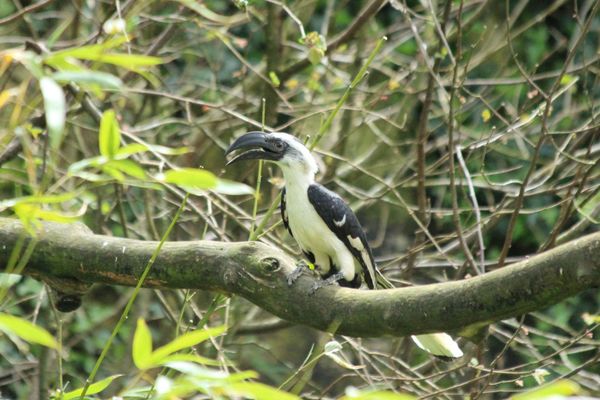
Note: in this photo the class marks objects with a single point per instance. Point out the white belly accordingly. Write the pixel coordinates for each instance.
(313, 235)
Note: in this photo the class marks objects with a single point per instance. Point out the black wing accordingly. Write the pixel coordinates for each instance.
(342, 221)
(284, 216)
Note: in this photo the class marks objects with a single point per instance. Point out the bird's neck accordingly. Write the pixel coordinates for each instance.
(298, 178)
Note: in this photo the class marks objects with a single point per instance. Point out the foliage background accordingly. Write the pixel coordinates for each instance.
(485, 135)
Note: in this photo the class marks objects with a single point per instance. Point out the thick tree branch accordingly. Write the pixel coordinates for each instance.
(257, 272)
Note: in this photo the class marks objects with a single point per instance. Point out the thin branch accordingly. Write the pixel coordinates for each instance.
(363, 16)
(25, 11)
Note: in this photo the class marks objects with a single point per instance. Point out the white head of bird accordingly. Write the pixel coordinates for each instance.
(294, 159)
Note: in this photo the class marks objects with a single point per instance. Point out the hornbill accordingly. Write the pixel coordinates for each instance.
(323, 225)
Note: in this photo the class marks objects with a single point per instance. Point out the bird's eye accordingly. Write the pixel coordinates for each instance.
(278, 145)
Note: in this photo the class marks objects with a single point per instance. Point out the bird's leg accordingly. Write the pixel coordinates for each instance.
(301, 267)
(326, 282)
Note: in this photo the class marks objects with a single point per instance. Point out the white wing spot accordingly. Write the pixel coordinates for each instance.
(356, 243)
(340, 222)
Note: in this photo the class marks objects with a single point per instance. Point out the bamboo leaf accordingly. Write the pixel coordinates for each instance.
(109, 139)
(103, 79)
(142, 345)
(183, 342)
(189, 178)
(94, 388)
(26, 330)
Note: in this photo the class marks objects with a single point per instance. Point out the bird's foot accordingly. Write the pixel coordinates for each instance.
(326, 282)
(301, 267)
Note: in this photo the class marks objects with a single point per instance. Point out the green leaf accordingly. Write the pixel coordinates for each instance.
(557, 389)
(84, 52)
(189, 178)
(109, 139)
(376, 395)
(128, 167)
(135, 148)
(26, 330)
(103, 79)
(92, 53)
(259, 391)
(101, 53)
(34, 211)
(142, 345)
(39, 199)
(274, 79)
(87, 162)
(566, 79)
(183, 342)
(94, 388)
(55, 110)
(129, 61)
(90, 176)
(113, 172)
(190, 358)
(225, 186)
(315, 55)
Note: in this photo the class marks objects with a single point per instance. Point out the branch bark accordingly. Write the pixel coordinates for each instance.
(258, 272)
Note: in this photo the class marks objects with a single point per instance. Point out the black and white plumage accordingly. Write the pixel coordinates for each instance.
(323, 225)
(340, 220)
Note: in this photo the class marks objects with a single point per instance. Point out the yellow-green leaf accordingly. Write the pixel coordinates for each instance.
(259, 391)
(486, 115)
(128, 167)
(566, 79)
(183, 342)
(274, 79)
(38, 199)
(189, 178)
(114, 173)
(129, 61)
(109, 139)
(142, 345)
(34, 211)
(135, 148)
(26, 330)
(94, 388)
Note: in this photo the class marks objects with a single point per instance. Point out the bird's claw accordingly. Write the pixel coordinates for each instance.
(325, 282)
(301, 267)
(316, 286)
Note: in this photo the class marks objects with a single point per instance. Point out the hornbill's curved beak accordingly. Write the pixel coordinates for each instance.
(257, 146)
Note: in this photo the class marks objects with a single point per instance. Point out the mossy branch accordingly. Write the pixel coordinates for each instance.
(258, 272)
